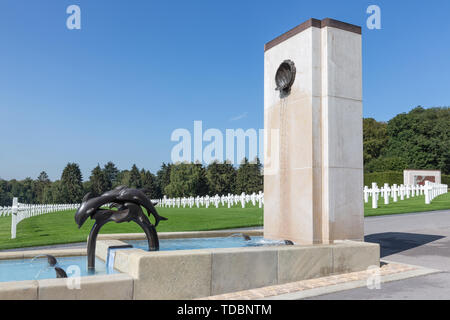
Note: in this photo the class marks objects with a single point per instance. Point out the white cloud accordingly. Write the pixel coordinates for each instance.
(239, 117)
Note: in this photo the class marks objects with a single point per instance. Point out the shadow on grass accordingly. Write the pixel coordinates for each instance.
(396, 242)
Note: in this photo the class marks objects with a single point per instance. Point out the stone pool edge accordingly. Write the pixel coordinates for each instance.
(194, 274)
(181, 235)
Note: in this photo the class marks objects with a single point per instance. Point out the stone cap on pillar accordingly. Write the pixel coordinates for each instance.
(312, 23)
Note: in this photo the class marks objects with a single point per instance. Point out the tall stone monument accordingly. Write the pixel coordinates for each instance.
(313, 187)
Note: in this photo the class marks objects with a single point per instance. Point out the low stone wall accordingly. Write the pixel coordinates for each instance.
(33, 253)
(106, 287)
(202, 273)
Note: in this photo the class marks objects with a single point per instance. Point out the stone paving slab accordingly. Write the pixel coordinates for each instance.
(387, 269)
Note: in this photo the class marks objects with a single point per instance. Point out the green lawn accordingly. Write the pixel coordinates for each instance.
(411, 205)
(60, 227)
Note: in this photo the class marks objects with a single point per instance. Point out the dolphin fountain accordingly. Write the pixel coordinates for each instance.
(127, 204)
(52, 262)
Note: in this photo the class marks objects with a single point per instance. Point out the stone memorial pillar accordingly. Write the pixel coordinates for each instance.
(313, 185)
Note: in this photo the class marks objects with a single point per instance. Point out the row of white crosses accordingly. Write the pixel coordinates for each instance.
(19, 212)
(434, 190)
(229, 201)
(31, 210)
(430, 190)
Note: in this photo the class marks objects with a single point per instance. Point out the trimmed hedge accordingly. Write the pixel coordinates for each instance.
(381, 178)
(445, 179)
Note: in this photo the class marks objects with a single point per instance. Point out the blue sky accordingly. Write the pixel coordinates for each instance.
(116, 89)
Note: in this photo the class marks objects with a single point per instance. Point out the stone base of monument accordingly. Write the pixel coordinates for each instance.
(194, 273)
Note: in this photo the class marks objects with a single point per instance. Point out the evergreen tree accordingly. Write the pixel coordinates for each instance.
(123, 178)
(163, 179)
(135, 178)
(15, 190)
(24, 190)
(43, 177)
(87, 186)
(28, 194)
(41, 183)
(111, 172)
(99, 183)
(53, 193)
(187, 179)
(71, 184)
(249, 177)
(149, 184)
(221, 178)
(4, 194)
(200, 186)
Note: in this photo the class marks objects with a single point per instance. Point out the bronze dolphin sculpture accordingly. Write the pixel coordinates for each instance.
(118, 197)
(127, 204)
(246, 237)
(60, 273)
(52, 262)
(51, 259)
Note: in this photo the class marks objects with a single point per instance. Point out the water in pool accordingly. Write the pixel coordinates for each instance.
(206, 243)
(38, 268)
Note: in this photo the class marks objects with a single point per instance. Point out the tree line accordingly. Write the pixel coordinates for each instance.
(173, 180)
(419, 139)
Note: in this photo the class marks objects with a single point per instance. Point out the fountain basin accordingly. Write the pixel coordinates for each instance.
(206, 243)
(189, 274)
(38, 269)
(91, 287)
